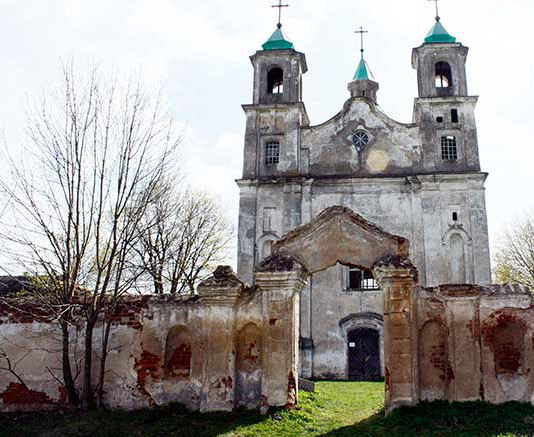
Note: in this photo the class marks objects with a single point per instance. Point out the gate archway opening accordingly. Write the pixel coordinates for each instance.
(338, 235)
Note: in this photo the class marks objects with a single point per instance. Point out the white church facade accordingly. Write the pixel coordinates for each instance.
(421, 181)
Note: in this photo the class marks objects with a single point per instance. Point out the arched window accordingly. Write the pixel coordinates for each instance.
(443, 75)
(275, 81)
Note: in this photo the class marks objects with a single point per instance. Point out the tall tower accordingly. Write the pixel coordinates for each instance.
(444, 110)
(272, 145)
(449, 163)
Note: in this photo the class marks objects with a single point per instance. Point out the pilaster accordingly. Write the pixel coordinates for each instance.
(280, 283)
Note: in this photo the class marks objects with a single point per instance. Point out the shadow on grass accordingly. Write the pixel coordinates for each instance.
(173, 420)
(447, 419)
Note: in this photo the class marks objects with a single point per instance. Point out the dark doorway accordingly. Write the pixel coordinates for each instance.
(364, 355)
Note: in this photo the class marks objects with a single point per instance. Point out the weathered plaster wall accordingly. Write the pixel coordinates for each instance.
(417, 208)
(476, 343)
(204, 352)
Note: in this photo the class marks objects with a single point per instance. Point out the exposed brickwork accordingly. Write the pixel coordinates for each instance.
(291, 390)
(19, 394)
(127, 312)
(252, 355)
(23, 311)
(504, 334)
(179, 364)
(148, 365)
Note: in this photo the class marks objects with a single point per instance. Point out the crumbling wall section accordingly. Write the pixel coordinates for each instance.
(162, 349)
(476, 343)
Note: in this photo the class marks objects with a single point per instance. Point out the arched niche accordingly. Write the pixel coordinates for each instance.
(178, 353)
(509, 348)
(265, 245)
(248, 347)
(458, 256)
(434, 368)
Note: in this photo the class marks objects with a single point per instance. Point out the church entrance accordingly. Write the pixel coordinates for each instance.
(364, 355)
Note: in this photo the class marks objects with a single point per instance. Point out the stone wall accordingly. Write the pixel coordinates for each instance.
(232, 346)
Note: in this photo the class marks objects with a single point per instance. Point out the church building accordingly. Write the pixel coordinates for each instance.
(420, 180)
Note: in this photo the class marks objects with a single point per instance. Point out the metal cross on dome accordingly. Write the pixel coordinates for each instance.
(361, 32)
(280, 6)
(437, 8)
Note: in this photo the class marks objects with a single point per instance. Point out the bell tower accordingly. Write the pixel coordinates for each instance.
(444, 110)
(272, 152)
(278, 71)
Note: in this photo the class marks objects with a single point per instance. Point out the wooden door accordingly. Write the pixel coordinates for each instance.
(364, 355)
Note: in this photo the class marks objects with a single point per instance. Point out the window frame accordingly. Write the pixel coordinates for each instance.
(271, 155)
(362, 288)
(449, 147)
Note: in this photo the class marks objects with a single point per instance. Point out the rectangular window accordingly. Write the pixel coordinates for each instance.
(361, 280)
(272, 152)
(449, 150)
(454, 115)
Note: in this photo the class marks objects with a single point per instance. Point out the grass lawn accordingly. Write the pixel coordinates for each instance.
(336, 409)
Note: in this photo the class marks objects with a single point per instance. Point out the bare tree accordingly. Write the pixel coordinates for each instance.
(514, 258)
(8, 366)
(185, 235)
(98, 149)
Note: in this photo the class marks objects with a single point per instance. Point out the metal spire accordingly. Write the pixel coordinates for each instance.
(361, 32)
(437, 9)
(280, 6)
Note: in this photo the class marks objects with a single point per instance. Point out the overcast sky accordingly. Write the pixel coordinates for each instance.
(199, 51)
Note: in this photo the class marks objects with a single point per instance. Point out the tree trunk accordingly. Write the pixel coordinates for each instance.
(73, 397)
(88, 398)
(103, 358)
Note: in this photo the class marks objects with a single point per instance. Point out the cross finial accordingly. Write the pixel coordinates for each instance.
(280, 6)
(361, 32)
(437, 8)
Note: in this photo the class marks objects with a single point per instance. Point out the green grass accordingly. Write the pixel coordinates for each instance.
(336, 409)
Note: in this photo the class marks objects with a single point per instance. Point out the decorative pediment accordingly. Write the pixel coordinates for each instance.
(338, 234)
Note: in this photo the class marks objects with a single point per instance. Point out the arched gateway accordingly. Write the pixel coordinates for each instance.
(340, 235)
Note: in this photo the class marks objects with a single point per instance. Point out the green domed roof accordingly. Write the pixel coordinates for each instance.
(438, 34)
(278, 41)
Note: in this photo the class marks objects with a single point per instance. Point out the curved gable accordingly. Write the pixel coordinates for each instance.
(394, 148)
(340, 235)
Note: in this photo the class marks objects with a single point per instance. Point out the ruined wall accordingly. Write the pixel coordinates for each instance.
(202, 351)
(476, 343)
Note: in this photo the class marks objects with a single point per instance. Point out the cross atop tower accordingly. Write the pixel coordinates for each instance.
(361, 32)
(437, 8)
(280, 6)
